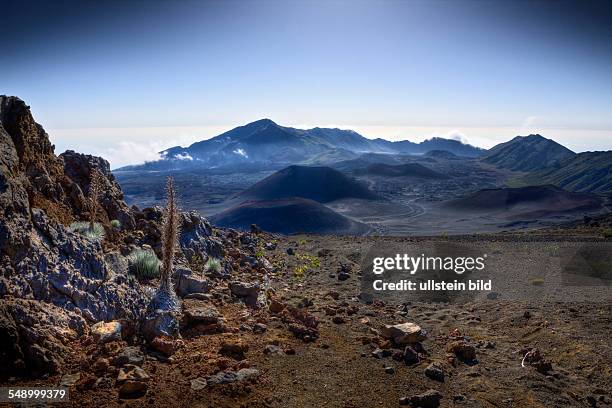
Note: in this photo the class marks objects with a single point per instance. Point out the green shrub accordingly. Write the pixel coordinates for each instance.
(213, 265)
(115, 224)
(300, 271)
(144, 264)
(84, 228)
(607, 233)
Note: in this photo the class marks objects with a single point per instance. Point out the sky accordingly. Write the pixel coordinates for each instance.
(125, 79)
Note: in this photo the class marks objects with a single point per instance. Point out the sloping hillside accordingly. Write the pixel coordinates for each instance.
(288, 216)
(527, 153)
(415, 170)
(586, 172)
(532, 199)
(322, 184)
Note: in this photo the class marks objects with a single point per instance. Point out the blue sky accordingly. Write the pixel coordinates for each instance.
(123, 79)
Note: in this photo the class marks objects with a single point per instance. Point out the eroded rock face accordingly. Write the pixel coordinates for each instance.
(32, 176)
(70, 271)
(35, 337)
(78, 167)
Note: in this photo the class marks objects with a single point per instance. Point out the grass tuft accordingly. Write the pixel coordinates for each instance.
(144, 264)
(115, 224)
(213, 265)
(84, 228)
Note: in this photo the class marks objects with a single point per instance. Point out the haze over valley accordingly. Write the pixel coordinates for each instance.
(352, 184)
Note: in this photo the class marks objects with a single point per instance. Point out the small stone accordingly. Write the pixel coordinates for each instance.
(247, 291)
(434, 371)
(132, 372)
(198, 384)
(129, 355)
(410, 356)
(226, 377)
(234, 349)
(492, 295)
(104, 332)
(132, 389)
(276, 306)
(165, 345)
(338, 319)
(334, 294)
(189, 283)
(259, 328)
(197, 311)
(101, 365)
(404, 333)
(389, 370)
(290, 251)
(428, 399)
(272, 349)
(462, 349)
(69, 380)
(377, 353)
(342, 276)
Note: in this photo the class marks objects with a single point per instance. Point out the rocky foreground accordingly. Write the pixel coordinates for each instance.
(277, 322)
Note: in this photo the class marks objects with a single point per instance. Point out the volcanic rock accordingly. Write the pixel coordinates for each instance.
(247, 291)
(428, 399)
(36, 336)
(105, 332)
(404, 333)
(187, 282)
(434, 371)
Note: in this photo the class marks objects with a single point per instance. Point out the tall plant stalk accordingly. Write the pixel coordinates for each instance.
(169, 235)
(93, 203)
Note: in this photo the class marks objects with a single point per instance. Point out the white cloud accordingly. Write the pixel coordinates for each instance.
(241, 152)
(528, 122)
(124, 153)
(183, 156)
(453, 134)
(125, 146)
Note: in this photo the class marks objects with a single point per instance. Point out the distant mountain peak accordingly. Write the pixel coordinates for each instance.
(264, 121)
(528, 153)
(532, 136)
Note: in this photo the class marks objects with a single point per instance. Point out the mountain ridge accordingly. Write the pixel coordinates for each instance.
(264, 141)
